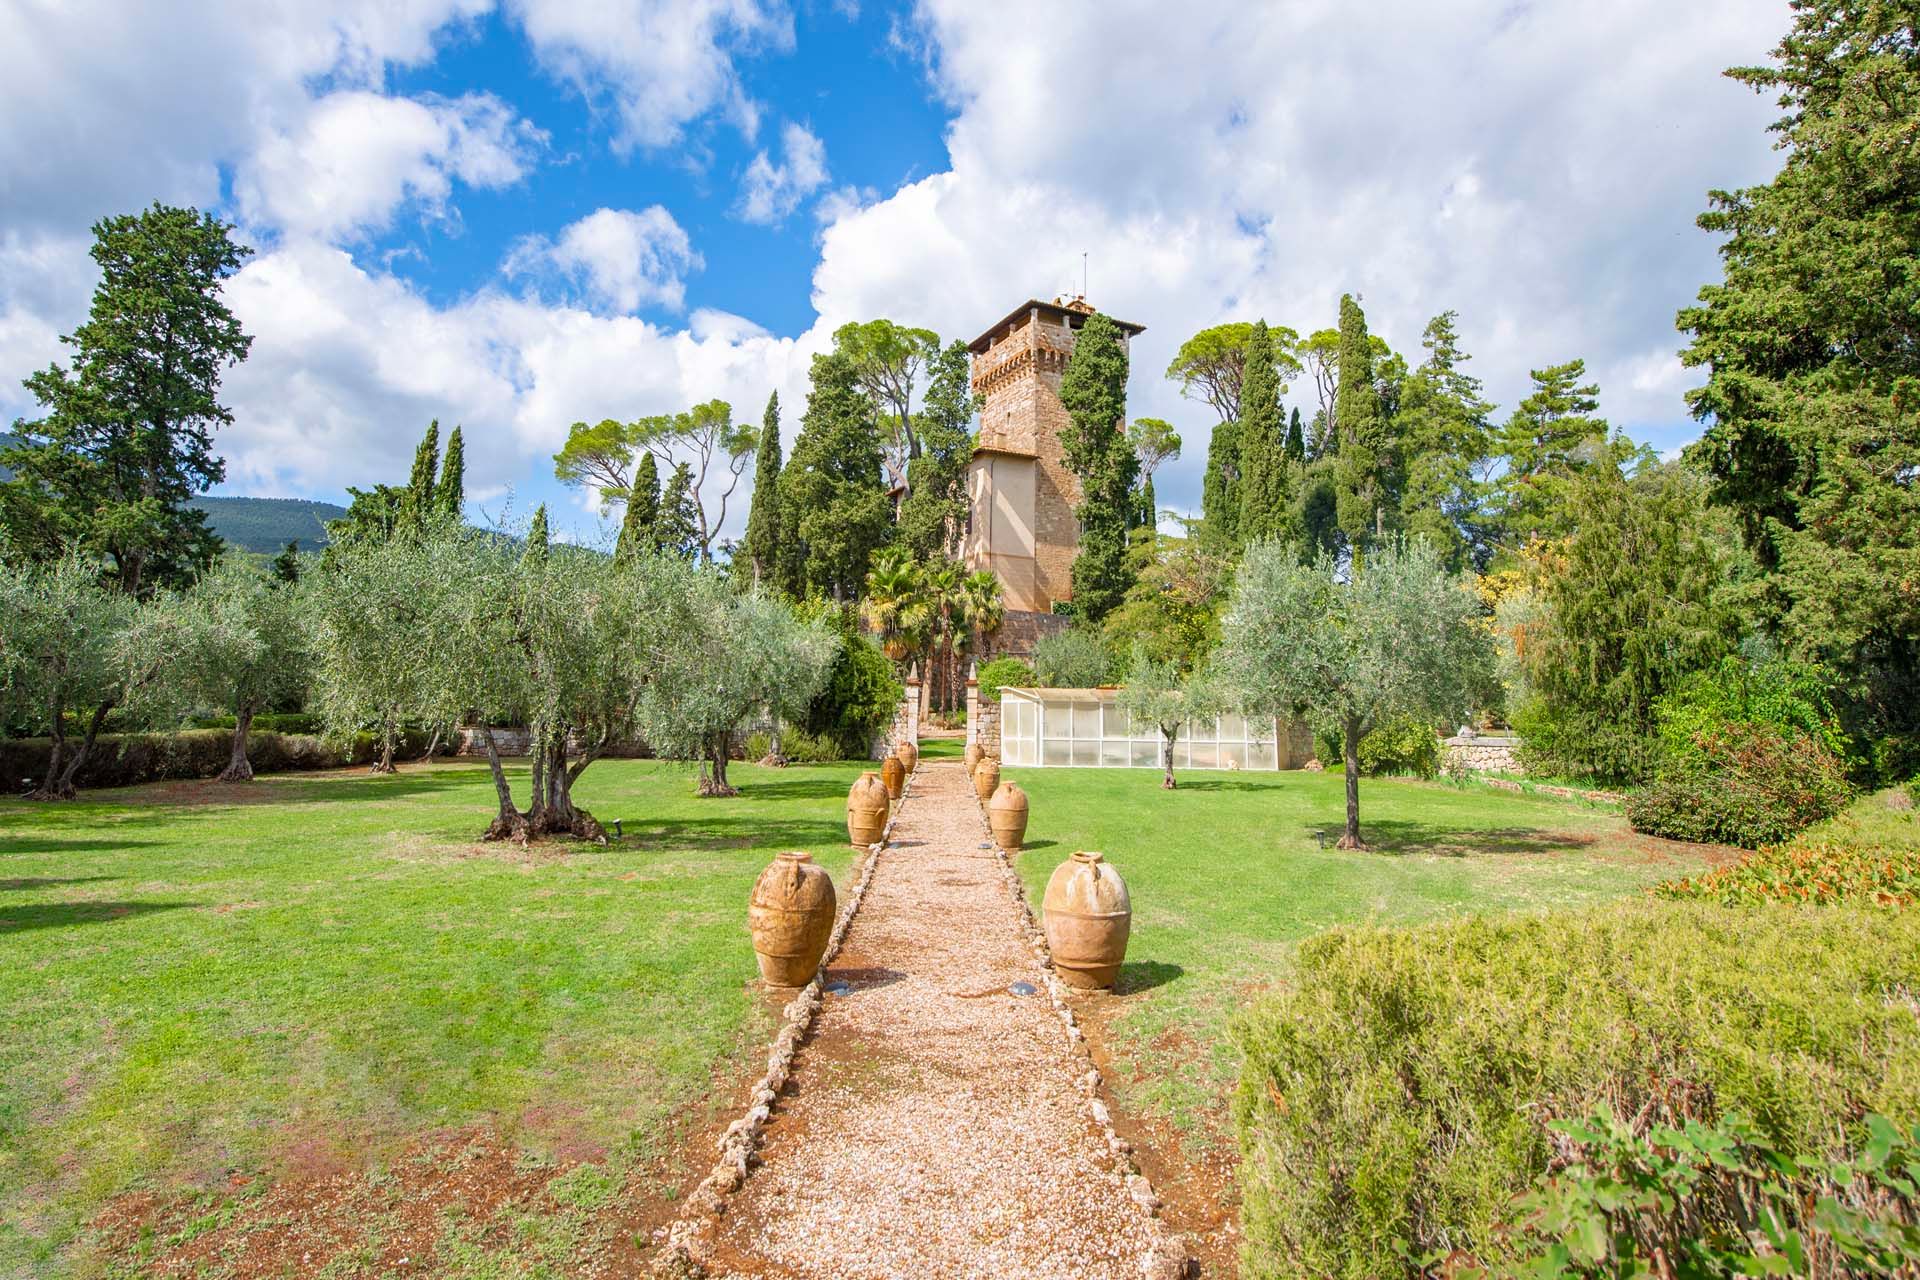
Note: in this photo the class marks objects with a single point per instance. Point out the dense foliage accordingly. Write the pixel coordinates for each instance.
(1741, 784)
(1077, 658)
(1094, 392)
(1397, 1092)
(859, 696)
(1000, 673)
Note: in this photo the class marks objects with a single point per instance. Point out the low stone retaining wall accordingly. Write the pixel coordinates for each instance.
(1482, 754)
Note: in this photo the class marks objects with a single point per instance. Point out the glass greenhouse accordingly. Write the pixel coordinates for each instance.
(1085, 728)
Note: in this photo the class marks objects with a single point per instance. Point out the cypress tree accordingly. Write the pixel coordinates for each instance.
(1265, 491)
(1220, 489)
(762, 538)
(417, 503)
(1094, 391)
(450, 494)
(1149, 505)
(538, 539)
(1296, 440)
(1359, 495)
(637, 528)
(676, 528)
(835, 509)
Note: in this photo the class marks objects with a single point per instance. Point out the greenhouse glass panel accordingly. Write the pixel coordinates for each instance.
(1087, 728)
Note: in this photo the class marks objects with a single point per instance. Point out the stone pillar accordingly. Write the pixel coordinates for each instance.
(973, 703)
(908, 728)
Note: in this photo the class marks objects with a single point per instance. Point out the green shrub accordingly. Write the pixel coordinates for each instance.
(1716, 1200)
(1394, 1099)
(1792, 697)
(999, 674)
(859, 699)
(1407, 747)
(128, 759)
(797, 745)
(1742, 784)
(1077, 658)
(1581, 747)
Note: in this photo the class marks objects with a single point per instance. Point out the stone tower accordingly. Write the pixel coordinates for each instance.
(1021, 497)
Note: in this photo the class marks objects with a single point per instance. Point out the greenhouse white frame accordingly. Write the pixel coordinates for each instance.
(1086, 729)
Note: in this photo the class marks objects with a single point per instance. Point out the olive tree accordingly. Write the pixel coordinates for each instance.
(739, 654)
(1169, 697)
(1400, 639)
(67, 640)
(243, 648)
(379, 608)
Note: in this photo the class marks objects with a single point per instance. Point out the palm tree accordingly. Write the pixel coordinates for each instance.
(982, 609)
(896, 604)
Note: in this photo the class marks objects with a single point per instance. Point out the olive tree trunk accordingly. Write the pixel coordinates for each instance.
(1353, 731)
(713, 770)
(239, 768)
(62, 769)
(1167, 738)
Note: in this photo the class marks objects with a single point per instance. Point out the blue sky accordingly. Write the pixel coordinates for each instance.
(516, 214)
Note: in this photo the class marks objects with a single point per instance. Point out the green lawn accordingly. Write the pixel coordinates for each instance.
(191, 986)
(1227, 874)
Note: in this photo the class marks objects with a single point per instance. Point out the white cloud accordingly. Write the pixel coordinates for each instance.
(661, 63)
(617, 257)
(1536, 168)
(769, 191)
(357, 157)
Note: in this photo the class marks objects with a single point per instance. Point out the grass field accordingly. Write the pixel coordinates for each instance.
(329, 968)
(1227, 874)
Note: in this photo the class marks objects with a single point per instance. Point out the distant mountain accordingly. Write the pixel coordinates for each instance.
(267, 524)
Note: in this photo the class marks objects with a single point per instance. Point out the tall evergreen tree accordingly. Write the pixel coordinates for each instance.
(1360, 477)
(638, 527)
(539, 540)
(417, 503)
(450, 492)
(1094, 391)
(762, 539)
(934, 512)
(127, 433)
(1552, 436)
(1296, 441)
(1220, 488)
(836, 512)
(1148, 514)
(1443, 422)
(1812, 436)
(1266, 488)
(677, 526)
(285, 567)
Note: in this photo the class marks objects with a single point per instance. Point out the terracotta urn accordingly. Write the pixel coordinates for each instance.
(909, 753)
(1007, 815)
(894, 774)
(1087, 915)
(986, 776)
(790, 913)
(973, 757)
(867, 806)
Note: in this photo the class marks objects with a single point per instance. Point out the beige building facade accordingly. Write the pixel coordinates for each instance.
(1020, 520)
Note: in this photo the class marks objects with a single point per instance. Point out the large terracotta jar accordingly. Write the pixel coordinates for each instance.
(1007, 815)
(894, 775)
(908, 753)
(790, 914)
(1087, 915)
(986, 776)
(867, 806)
(975, 753)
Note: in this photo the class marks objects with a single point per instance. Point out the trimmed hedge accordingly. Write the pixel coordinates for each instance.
(1395, 1100)
(127, 759)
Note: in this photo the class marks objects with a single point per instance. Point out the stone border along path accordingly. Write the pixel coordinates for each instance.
(936, 1123)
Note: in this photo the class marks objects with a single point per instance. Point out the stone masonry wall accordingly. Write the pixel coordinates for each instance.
(1482, 755)
(1019, 376)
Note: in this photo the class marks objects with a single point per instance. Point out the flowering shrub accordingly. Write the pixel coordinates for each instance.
(1743, 784)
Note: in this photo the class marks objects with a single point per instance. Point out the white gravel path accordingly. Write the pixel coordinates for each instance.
(935, 1124)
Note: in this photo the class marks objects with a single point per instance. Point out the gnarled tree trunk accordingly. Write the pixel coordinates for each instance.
(713, 770)
(1166, 758)
(239, 769)
(385, 763)
(509, 823)
(63, 770)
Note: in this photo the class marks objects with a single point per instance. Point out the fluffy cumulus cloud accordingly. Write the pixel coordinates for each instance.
(1537, 168)
(617, 258)
(356, 157)
(770, 191)
(659, 63)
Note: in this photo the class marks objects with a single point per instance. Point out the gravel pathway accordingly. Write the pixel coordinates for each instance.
(937, 1124)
